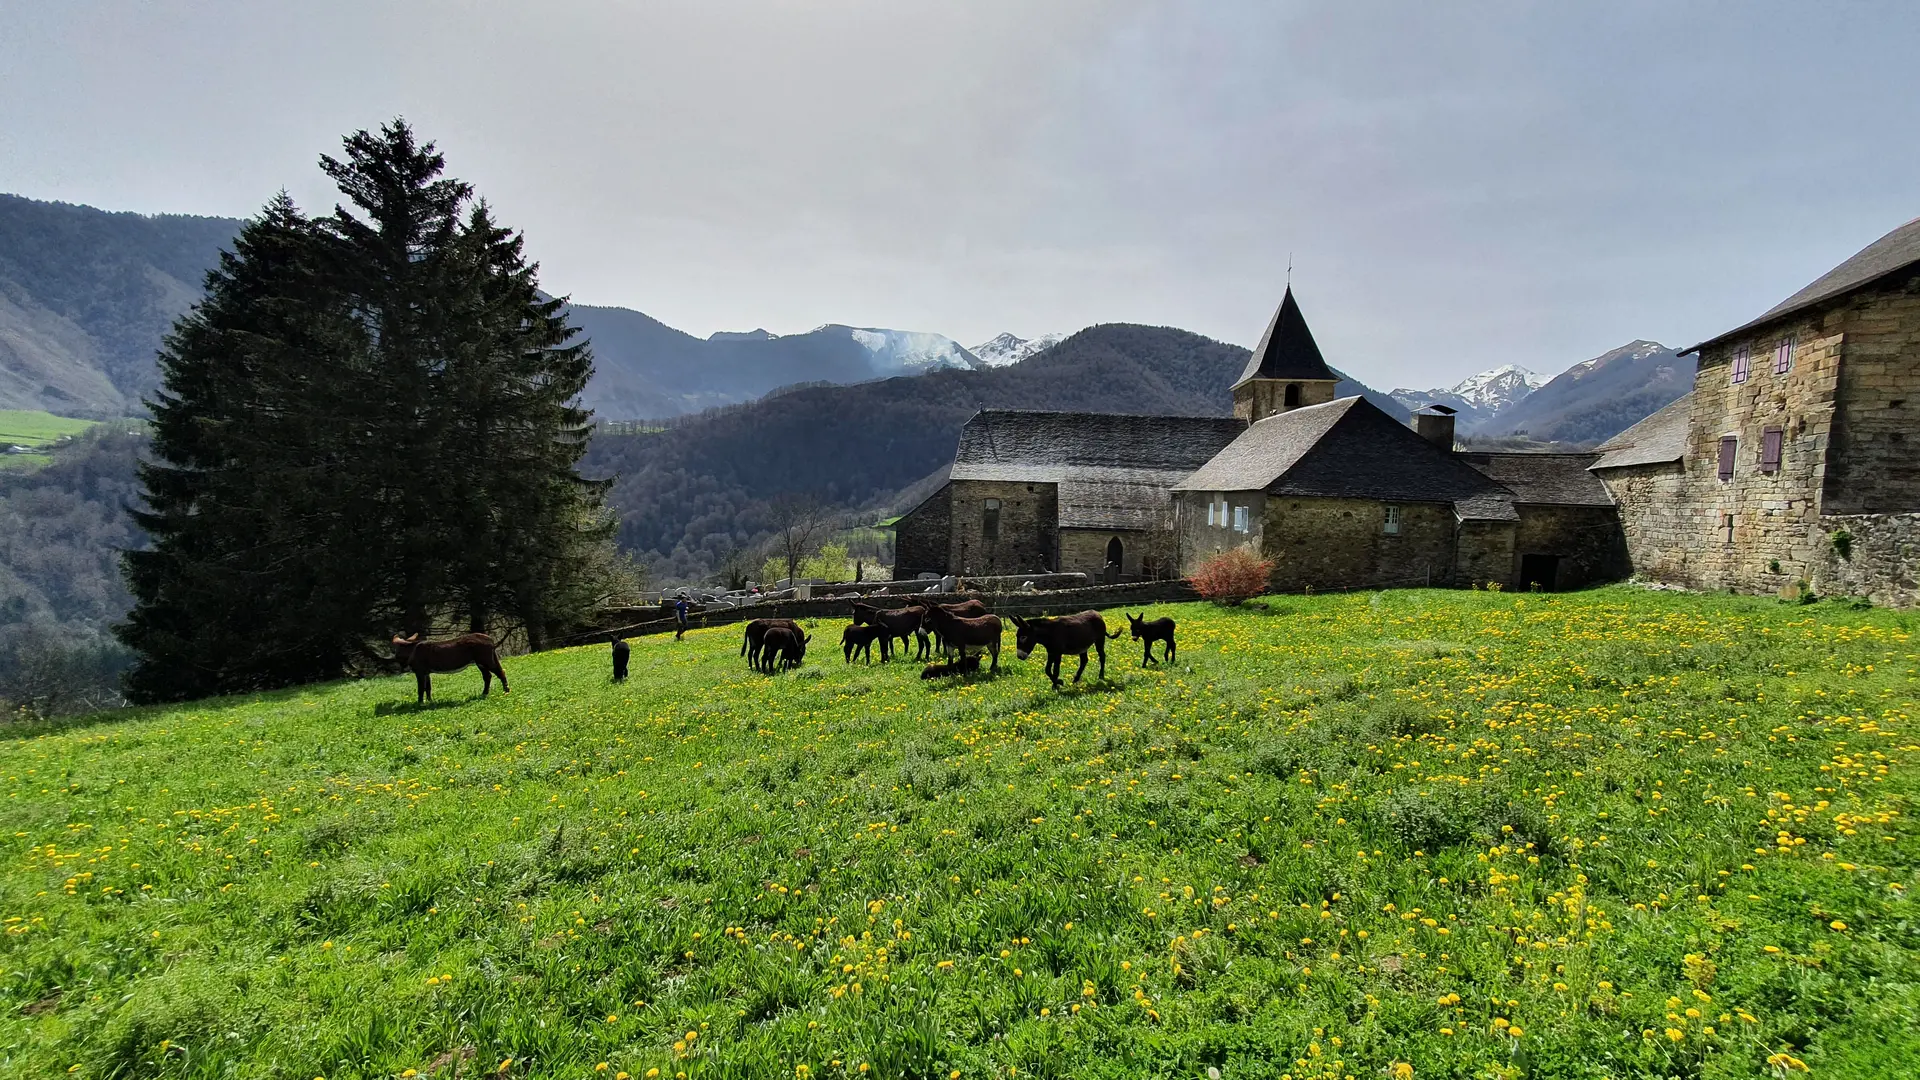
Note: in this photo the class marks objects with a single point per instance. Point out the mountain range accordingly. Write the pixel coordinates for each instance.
(1478, 398)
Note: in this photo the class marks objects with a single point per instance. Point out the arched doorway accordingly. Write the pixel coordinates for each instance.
(1116, 555)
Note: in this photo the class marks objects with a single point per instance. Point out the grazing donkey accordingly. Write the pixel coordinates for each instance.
(1064, 636)
(424, 658)
(1150, 632)
(783, 647)
(966, 609)
(964, 633)
(621, 650)
(756, 633)
(966, 665)
(858, 640)
(902, 623)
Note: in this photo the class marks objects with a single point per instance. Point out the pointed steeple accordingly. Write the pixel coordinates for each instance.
(1286, 370)
(1287, 351)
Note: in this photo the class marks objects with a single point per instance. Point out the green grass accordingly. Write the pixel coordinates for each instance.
(26, 427)
(1609, 834)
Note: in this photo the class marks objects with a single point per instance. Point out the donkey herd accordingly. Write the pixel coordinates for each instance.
(963, 632)
(772, 645)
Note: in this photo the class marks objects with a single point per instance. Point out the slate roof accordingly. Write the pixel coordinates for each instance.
(1349, 448)
(1890, 254)
(1658, 439)
(1287, 350)
(1112, 471)
(1543, 479)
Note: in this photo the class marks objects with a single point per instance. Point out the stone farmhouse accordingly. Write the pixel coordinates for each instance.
(1336, 492)
(1788, 466)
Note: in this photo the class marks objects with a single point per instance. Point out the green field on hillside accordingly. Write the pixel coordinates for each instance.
(1429, 834)
(27, 427)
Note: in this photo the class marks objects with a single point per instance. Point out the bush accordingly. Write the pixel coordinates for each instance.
(1232, 576)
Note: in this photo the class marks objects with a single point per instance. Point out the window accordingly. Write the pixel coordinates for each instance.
(1240, 519)
(1210, 505)
(1391, 524)
(1783, 357)
(1293, 395)
(1770, 441)
(1729, 446)
(1726, 526)
(990, 520)
(1742, 364)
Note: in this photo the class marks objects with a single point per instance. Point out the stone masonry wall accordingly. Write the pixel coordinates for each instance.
(1325, 543)
(1200, 541)
(1260, 398)
(1873, 460)
(1027, 541)
(1879, 564)
(923, 537)
(1084, 551)
(1484, 554)
(1586, 538)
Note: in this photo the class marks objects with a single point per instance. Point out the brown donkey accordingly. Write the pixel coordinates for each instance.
(424, 658)
(963, 633)
(1065, 636)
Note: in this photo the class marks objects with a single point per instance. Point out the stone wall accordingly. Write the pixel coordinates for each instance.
(1872, 465)
(1200, 541)
(1484, 553)
(1257, 399)
(923, 536)
(1085, 550)
(1027, 538)
(1323, 543)
(1879, 563)
(1586, 539)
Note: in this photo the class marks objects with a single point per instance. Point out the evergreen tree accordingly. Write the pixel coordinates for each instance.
(369, 425)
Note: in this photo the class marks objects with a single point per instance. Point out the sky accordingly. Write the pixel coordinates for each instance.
(1456, 186)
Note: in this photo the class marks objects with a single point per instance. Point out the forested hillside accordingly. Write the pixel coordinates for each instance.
(86, 296)
(62, 529)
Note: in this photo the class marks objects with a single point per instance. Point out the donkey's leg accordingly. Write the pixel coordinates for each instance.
(1082, 669)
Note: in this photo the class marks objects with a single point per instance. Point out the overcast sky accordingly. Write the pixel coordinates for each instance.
(1459, 186)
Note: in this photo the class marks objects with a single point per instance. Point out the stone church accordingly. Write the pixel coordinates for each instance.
(1336, 492)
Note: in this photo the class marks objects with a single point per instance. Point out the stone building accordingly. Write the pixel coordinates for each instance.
(1788, 462)
(1336, 492)
(1341, 495)
(1031, 492)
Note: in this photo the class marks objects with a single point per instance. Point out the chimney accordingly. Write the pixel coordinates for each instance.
(1435, 424)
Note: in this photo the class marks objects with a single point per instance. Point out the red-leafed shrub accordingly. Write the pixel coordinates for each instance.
(1231, 576)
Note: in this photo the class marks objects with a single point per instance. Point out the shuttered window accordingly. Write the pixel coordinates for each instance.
(1239, 519)
(1742, 364)
(1783, 357)
(1210, 505)
(1729, 447)
(1770, 441)
(1391, 523)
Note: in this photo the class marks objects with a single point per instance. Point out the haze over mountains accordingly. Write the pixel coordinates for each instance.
(86, 297)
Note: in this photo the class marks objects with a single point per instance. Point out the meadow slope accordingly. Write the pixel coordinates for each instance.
(1424, 833)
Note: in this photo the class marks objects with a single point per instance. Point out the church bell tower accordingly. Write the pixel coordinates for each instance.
(1285, 371)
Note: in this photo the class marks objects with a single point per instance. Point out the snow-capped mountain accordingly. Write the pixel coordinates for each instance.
(1008, 349)
(904, 352)
(1478, 398)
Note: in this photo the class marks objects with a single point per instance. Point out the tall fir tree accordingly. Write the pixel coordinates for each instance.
(369, 424)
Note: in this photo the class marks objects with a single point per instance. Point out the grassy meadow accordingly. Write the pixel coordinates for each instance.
(1408, 834)
(28, 427)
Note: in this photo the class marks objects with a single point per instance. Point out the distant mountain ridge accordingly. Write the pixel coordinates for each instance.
(1599, 398)
(1007, 349)
(1477, 399)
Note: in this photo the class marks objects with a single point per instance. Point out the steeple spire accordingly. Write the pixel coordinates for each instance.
(1286, 370)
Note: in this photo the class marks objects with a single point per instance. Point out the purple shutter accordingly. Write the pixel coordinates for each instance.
(1742, 363)
(1770, 441)
(1783, 357)
(1729, 446)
